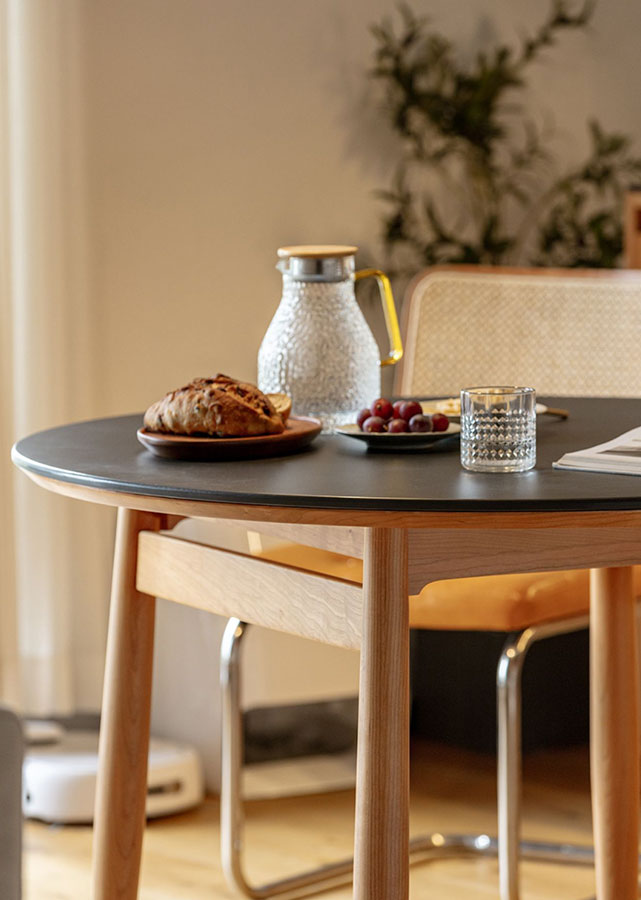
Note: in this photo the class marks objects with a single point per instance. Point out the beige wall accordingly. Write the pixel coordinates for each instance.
(218, 131)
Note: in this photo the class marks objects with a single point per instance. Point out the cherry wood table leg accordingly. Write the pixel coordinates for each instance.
(614, 737)
(124, 731)
(381, 858)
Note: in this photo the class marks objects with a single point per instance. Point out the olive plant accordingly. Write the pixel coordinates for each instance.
(474, 181)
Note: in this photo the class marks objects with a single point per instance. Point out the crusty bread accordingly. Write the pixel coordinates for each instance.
(218, 406)
(282, 403)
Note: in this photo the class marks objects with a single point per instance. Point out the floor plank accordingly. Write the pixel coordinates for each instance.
(452, 790)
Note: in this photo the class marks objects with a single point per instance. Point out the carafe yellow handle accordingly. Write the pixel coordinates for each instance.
(391, 320)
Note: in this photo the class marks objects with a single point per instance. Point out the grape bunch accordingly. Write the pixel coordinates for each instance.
(402, 416)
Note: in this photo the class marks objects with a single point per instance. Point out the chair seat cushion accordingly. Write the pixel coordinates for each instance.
(504, 602)
(487, 603)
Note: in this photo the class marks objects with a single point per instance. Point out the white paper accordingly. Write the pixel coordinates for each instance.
(619, 456)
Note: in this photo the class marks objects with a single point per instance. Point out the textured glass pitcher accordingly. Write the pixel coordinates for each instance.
(318, 348)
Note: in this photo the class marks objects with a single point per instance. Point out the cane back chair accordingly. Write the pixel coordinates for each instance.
(565, 332)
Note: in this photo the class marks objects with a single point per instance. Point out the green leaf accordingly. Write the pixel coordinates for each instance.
(476, 159)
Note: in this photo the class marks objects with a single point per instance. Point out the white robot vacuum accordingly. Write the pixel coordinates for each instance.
(59, 778)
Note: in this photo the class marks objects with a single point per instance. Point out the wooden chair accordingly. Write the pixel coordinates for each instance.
(564, 332)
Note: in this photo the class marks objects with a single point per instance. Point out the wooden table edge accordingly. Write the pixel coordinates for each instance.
(341, 517)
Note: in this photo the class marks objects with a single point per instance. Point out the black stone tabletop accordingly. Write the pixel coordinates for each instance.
(337, 472)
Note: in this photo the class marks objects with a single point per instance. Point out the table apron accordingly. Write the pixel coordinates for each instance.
(255, 590)
(337, 538)
(439, 554)
(319, 607)
(443, 553)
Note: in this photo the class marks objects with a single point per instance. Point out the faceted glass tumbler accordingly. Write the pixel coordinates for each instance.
(498, 429)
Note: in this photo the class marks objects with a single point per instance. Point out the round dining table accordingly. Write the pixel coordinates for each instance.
(414, 517)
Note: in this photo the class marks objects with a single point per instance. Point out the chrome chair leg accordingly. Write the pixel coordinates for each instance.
(231, 804)
(509, 776)
(509, 848)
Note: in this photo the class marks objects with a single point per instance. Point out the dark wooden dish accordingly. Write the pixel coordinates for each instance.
(299, 432)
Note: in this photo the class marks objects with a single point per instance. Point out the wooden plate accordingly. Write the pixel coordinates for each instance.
(299, 432)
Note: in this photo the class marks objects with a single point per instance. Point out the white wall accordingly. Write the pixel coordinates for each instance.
(218, 131)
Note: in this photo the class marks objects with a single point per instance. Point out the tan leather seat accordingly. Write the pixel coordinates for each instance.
(503, 602)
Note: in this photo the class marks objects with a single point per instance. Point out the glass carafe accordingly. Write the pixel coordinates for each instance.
(318, 348)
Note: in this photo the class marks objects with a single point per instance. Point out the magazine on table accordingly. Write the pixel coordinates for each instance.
(622, 455)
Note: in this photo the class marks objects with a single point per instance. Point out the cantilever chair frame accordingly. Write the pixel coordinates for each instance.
(508, 847)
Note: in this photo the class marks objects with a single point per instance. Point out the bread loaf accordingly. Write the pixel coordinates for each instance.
(220, 406)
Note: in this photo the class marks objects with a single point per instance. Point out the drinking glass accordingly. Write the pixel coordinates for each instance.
(498, 429)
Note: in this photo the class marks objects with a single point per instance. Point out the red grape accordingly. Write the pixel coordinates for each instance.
(360, 418)
(409, 409)
(382, 408)
(440, 422)
(397, 409)
(420, 423)
(374, 423)
(397, 426)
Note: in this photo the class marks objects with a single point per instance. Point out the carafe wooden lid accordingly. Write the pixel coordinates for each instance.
(319, 251)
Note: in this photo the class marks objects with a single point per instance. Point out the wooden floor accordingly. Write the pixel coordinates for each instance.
(451, 791)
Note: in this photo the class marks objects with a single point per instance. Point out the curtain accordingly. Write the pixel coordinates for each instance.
(55, 552)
